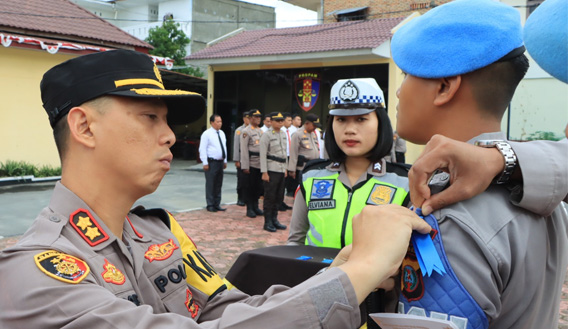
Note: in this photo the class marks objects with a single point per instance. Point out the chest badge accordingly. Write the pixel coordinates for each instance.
(160, 251)
(112, 274)
(381, 194)
(87, 227)
(322, 189)
(61, 266)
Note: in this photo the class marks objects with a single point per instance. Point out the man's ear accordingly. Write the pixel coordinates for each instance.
(447, 89)
(79, 120)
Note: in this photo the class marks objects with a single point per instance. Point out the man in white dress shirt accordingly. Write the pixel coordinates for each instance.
(213, 154)
(266, 123)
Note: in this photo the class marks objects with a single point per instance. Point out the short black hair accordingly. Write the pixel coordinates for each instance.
(213, 116)
(287, 115)
(493, 86)
(296, 115)
(382, 147)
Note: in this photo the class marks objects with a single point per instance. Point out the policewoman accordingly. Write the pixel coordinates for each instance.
(250, 164)
(273, 163)
(358, 136)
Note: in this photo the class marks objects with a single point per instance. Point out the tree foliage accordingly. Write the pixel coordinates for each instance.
(170, 41)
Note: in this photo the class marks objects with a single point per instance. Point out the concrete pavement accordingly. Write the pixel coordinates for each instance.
(220, 236)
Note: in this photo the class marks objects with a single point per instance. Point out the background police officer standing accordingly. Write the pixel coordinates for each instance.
(304, 145)
(250, 164)
(237, 157)
(273, 167)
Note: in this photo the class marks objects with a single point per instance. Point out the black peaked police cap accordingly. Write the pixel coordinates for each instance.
(115, 72)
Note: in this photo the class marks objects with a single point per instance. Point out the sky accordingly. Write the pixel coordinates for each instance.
(288, 15)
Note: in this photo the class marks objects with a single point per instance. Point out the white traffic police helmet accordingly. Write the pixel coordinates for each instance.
(355, 97)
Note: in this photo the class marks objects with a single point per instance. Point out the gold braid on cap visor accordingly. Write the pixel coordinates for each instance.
(150, 91)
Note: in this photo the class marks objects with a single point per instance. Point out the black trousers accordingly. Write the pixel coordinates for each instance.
(273, 192)
(252, 185)
(292, 184)
(240, 182)
(400, 158)
(213, 183)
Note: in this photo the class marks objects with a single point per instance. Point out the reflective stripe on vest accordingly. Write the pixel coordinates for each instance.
(436, 296)
(331, 206)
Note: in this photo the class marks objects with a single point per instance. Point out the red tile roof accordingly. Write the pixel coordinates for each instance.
(62, 19)
(306, 39)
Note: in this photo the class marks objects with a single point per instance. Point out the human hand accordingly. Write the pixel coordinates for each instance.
(265, 177)
(225, 165)
(238, 164)
(292, 174)
(380, 239)
(246, 171)
(205, 167)
(471, 170)
(343, 256)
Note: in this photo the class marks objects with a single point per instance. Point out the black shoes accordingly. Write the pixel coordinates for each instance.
(277, 224)
(268, 224)
(211, 209)
(240, 203)
(250, 213)
(220, 209)
(283, 207)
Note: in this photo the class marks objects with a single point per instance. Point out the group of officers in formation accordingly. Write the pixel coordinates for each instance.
(269, 160)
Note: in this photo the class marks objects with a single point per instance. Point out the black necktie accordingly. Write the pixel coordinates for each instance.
(221, 143)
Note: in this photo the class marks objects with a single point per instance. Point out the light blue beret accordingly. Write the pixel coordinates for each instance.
(456, 38)
(546, 37)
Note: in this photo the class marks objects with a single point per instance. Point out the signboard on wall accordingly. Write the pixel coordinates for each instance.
(307, 89)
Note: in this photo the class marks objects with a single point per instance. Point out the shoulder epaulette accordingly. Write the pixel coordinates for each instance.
(316, 164)
(401, 169)
(162, 214)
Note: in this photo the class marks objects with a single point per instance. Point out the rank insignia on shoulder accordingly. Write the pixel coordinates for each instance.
(86, 225)
(112, 274)
(61, 266)
(238, 132)
(160, 251)
(379, 167)
(381, 194)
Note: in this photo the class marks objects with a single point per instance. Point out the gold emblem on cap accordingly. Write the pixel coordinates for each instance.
(157, 73)
(278, 116)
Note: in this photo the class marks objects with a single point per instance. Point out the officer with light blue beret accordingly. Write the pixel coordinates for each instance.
(505, 266)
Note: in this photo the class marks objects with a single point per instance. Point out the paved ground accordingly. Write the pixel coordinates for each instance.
(222, 236)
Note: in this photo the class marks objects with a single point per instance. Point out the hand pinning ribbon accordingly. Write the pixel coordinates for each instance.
(426, 252)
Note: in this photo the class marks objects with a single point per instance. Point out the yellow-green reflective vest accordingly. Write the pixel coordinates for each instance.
(331, 205)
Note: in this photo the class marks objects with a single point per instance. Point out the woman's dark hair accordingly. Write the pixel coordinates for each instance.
(382, 146)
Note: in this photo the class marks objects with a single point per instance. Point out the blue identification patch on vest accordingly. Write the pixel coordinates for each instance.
(381, 194)
(320, 197)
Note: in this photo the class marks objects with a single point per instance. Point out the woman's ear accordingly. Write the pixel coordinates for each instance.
(79, 120)
(447, 89)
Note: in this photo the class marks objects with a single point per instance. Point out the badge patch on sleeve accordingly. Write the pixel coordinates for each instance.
(61, 266)
(86, 225)
(192, 307)
(160, 251)
(381, 194)
(112, 274)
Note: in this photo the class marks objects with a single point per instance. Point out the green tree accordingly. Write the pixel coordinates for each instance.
(170, 41)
